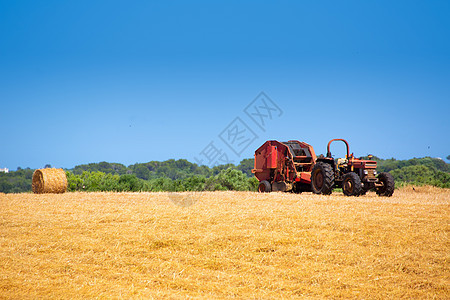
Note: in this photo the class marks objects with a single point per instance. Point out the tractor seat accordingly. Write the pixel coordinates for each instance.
(342, 161)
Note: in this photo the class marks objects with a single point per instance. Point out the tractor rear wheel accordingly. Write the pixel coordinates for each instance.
(351, 185)
(388, 184)
(264, 187)
(322, 179)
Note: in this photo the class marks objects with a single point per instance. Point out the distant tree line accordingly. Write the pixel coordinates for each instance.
(16, 181)
(227, 179)
(173, 169)
(182, 175)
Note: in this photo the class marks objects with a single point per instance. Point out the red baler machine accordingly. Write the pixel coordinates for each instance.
(284, 166)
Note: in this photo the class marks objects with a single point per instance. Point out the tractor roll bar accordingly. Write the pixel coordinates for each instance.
(329, 143)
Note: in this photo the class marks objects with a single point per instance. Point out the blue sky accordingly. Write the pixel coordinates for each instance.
(135, 81)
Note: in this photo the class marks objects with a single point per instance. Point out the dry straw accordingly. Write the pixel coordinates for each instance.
(240, 245)
(49, 181)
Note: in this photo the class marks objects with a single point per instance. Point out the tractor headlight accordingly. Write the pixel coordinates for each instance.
(366, 172)
(374, 172)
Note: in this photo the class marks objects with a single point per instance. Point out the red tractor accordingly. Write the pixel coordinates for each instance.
(293, 166)
(355, 176)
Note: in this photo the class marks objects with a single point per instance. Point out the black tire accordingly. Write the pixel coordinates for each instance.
(367, 187)
(297, 188)
(300, 187)
(351, 184)
(388, 185)
(322, 179)
(264, 187)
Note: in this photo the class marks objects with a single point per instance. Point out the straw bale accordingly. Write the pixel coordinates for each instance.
(49, 181)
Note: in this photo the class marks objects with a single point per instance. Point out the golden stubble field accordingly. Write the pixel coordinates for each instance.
(227, 245)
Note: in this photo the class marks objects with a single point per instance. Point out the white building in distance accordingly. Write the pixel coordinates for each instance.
(4, 170)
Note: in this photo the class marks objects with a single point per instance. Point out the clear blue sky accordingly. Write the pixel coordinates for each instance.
(135, 81)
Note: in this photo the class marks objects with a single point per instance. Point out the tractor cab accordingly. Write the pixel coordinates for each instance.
(365, 169)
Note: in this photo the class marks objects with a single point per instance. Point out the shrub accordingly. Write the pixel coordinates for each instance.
(233, 179)
(129, 182)
(253, 184)
(194, 183)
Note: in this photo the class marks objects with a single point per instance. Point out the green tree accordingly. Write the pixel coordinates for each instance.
(5, 184)
(142, 171)
(253, 184)
(194, 183)
(161, 184)
(212, 184)
(105, 167)
(246, 166)
(129, 182)
(233, 179)
(74, 182)
(415, 174)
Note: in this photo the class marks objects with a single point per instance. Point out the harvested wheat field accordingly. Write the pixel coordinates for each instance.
(225, 245)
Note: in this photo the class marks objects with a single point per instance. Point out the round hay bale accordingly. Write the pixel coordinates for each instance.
(49, 181)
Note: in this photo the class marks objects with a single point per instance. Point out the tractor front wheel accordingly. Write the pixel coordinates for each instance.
(322, 179)
(351, 185)
(264, 187)
(388, 185)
